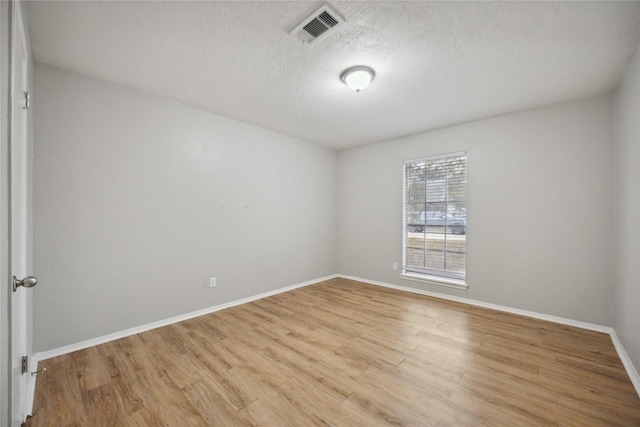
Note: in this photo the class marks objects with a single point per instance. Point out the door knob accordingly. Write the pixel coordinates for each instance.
(27, 282)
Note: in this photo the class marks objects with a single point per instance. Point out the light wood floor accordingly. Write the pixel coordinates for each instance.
(343, 353)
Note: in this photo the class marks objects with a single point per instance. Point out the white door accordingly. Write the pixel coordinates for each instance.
(18, 219)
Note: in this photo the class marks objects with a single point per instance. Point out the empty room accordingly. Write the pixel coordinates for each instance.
(346, 213)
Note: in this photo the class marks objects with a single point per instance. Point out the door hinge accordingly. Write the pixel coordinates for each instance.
(25, 364)
(27, 101)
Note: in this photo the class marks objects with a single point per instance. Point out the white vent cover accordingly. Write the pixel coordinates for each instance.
(320, 23)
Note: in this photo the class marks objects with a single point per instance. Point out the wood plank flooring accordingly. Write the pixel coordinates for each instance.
(343, 353)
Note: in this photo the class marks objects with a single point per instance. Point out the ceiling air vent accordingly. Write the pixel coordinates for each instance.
(321, 22)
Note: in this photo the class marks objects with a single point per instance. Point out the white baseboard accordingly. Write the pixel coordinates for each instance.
(535, 315)
(624, 357)
(626, 361)
(143, 328)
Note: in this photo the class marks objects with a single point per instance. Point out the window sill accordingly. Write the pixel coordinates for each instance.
(435, 280)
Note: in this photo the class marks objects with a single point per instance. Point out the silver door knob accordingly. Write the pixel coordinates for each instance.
(27, 282)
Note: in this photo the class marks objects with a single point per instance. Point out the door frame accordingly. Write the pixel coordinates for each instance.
(5, 296)
(18, 262)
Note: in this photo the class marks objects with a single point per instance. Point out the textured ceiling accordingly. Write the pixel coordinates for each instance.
(436, 63)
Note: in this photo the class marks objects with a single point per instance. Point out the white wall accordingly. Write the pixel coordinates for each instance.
(539, 208)
(139, 200)
(626, 290)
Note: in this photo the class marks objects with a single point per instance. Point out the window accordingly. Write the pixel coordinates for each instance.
(434, 224)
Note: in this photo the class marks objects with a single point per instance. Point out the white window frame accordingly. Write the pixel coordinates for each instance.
(429, 277)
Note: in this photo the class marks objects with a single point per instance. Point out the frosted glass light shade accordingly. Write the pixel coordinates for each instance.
(357, 78)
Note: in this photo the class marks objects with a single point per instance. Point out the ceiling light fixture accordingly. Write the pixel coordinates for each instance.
(357, 78)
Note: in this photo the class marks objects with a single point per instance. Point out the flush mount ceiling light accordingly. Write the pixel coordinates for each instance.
(358, 78)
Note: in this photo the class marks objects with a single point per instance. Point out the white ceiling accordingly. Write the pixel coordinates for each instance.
(436, 63)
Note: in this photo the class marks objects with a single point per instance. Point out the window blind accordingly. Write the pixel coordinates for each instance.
(435, 211)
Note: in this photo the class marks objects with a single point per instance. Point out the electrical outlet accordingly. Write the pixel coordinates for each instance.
(212, 282)
(395, 266)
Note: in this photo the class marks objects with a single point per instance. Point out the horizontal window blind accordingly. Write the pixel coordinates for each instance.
(435, 212)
